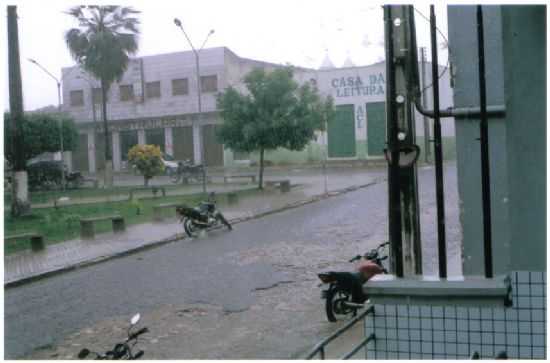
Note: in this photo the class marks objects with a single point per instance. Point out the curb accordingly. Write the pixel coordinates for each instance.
(180, 236)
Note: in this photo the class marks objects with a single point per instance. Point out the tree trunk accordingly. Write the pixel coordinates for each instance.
(20, 200)
(108, 181)
(260, 185)
(146, 181)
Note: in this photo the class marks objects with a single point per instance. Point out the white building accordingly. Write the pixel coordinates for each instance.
(156, 102)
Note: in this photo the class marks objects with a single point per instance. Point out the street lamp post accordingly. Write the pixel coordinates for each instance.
(199, 91)
(60, 122)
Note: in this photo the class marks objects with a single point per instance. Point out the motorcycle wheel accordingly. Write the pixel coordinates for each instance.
(175, 177)
(224, 221)
(190, 228)
(334, 306)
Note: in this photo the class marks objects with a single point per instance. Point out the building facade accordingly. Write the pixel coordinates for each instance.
(156, 102)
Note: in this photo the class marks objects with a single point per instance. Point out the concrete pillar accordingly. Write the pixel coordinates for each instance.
(68, 160)
(91, 151)
(168, 141)
(116, 150)
(197, 139)
(141, 137)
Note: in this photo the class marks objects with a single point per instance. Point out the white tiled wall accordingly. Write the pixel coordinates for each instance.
(455, 332)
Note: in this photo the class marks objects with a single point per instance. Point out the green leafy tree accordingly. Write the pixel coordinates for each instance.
(41, 134)
(147, 160)
(275, 112)
(102, 43)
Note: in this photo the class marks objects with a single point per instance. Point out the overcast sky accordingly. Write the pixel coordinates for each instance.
(281, 31)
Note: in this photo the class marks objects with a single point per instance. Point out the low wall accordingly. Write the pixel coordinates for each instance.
(407, 331)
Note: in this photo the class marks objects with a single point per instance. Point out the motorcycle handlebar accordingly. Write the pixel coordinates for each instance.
(355, 258)
(138, 333)
(138, 354)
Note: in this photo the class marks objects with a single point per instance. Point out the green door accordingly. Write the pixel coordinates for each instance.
(183, 143)
(80, 155)
(213, 150)
(155, 137)
(376, 128)
(128, 139)
(341, 133)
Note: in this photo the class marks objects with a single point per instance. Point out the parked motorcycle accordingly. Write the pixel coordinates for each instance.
(121, 350)
(345, 295)
(202, 217)
(186, 170)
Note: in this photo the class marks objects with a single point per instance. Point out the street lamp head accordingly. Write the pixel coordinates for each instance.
(177, 22)
(31, 60)
(211, 32)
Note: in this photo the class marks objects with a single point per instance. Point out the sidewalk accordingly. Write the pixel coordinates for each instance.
(307, 187)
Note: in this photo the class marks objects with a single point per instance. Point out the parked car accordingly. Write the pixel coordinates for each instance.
(170, 164)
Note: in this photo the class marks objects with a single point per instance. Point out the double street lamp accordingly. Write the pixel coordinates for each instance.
(199, 91)
(60, 121)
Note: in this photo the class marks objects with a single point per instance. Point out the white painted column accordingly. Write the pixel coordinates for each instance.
(91, 151)
(141, 137)
(68, 160)
(168, 141)
(197, 144)
(116, 151)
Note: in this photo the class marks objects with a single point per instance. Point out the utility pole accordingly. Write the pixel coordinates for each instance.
(401, 133)
(20, 196)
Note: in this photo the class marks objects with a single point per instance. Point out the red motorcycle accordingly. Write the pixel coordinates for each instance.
(344, 295)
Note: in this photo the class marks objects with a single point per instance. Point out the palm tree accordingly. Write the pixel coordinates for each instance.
(102, 43)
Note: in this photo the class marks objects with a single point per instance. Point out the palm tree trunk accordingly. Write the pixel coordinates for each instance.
(108, 181)
(20, 198)
(260, 186)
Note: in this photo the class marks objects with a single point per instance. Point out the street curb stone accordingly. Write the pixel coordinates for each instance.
(180, 236)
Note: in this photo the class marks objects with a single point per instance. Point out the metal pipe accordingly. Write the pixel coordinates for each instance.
(484, 140)
(441, 243)
(393, 177)
(320, 347)
(424, 100)
(461, 112)
(354, 351)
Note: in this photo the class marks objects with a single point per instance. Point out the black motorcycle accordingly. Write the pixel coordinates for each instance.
(187, 171)
(204, 216)
(345, 295)
(121, 350)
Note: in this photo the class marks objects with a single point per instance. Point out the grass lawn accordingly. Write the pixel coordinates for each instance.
(41, 196)
(63, 223)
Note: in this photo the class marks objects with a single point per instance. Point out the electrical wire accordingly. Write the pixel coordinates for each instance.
(448, 50)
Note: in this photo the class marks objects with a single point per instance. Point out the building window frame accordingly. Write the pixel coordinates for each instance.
(126, 92)
(209, 84)
(76, 98)
(152, 90)
(97, 95)
(180, 87)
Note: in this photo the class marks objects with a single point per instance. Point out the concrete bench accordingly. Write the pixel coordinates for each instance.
(153, 190)
(252, 177)
(87, 230)
(284, 185)
(37, 240)
(93, 182)
(157, 210)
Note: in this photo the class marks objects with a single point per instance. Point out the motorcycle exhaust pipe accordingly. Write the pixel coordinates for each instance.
(353, 305)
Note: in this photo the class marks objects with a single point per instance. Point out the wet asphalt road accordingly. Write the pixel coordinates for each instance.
(192, 271)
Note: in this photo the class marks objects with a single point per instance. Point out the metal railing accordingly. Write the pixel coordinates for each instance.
(320, 347)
